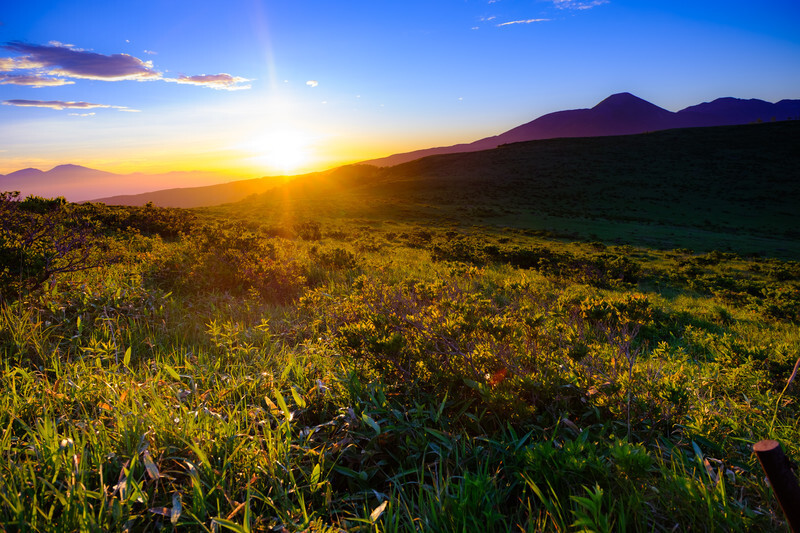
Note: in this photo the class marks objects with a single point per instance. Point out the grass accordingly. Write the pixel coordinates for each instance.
(357, 372)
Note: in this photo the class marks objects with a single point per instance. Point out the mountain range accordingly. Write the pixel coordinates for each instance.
(77, 183)
(619, 114)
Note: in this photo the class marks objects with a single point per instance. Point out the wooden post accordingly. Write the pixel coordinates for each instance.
(783, 481)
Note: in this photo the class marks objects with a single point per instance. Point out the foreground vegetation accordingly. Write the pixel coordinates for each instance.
(210, 373)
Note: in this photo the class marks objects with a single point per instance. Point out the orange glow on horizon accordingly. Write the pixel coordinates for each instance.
(283, 149)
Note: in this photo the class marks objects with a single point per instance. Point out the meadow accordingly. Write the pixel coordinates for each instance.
(309, 361)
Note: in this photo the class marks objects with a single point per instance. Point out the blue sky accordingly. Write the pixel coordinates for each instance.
(260, 87)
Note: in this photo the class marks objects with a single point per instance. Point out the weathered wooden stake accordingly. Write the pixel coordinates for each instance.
(784, 483)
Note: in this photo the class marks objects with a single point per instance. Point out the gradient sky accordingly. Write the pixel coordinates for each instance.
(259, 87)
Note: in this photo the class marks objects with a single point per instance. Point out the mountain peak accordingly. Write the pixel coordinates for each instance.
(623, 100)
(68, 166)
(25, 172)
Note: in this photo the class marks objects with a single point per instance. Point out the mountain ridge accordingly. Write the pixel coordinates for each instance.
(617, 114)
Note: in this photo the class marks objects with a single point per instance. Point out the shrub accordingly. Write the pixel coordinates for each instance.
(230, 258)
(40, 238)
(333, 258)
(309, 231)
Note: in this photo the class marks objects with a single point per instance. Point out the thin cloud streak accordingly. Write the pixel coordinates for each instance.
(224, 82)
(60, 104)
(528, 21)
(579, 5)
(32, 80)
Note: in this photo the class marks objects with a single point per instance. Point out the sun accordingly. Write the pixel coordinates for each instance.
(283, 151)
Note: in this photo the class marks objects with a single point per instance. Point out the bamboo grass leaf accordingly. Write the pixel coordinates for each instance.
(176, 508)
(371, 423)
(301, 403)
(150, 465)
(172, 373)
(283, 406)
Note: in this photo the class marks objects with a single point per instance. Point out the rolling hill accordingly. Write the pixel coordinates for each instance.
(188, 197)
(728, 187)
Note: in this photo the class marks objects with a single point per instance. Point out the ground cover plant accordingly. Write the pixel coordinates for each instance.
(321, 368)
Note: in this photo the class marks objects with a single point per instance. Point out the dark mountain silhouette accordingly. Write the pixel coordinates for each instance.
(619, 114)
(732, 111)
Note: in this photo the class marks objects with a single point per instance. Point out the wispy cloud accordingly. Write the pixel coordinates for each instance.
(527, 21)
(32, 80)
(63, 60)
(577, 4)
(16, 63)
(312, 83)
(49, 64)
(60, 104)
(57, 64)
(59, 43)
(223, 81)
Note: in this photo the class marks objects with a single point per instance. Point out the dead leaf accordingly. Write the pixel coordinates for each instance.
(378, 511)
(235, 511)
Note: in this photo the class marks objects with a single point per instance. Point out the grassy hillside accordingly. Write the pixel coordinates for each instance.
(188, 197)
(333, 365)
(728, 188)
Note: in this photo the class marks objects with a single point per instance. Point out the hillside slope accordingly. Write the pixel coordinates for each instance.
(731, 186)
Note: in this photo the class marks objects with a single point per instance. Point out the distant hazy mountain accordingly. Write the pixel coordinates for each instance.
(77, 183)
(619, 114)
